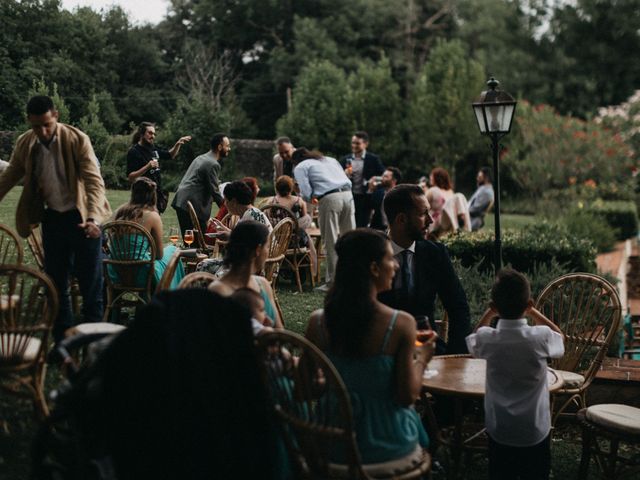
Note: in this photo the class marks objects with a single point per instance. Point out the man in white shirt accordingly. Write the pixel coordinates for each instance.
(322, 178)
(516, 403)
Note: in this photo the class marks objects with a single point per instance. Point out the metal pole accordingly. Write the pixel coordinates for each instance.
(496, 179)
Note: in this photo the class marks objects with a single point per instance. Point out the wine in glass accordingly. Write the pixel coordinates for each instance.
(188, 237)
(173, 235)
(425, 334)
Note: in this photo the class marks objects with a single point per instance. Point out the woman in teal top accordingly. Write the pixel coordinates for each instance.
(141, 209)
(373, 347)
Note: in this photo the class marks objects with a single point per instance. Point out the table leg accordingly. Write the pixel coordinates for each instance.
(456, 448)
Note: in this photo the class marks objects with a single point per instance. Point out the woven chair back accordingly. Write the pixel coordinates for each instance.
(34, 241)
(279, 243)
(169, 272)
(28, 305)
(11, 252)
(586, 307)
(230, 221)
(310, 402)
(197, 280)
(198, 233)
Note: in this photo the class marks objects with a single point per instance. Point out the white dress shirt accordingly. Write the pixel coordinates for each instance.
(516, 403)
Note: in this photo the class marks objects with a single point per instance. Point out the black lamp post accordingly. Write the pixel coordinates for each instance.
(494, 112)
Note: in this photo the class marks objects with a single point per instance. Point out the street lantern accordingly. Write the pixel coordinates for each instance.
(494, 111)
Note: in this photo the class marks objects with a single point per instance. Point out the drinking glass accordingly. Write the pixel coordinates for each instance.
(424, 334)
(188, 237)
(173, 235)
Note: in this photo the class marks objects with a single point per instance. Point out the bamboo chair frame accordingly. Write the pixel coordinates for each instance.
(198, 233)
(279, 240)
(34, 242)
(11, 251)
(129, 260)
(312, 406)
(587, 309)
(197, 280)
(28, 306)
(295, 256)
(169, 272)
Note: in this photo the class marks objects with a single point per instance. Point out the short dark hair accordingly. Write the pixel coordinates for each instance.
(281, 140)
(217, 140)
(400, 199)
(246, 236)
(362, 135)
(239, 191)
(486, 171)
(39, 105)
(284, 185)
(510, 293)
(396, 173)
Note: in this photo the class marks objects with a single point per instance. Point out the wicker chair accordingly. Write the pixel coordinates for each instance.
(131, 250)
(169, 272)
(587, 309)
(296, 257)
(34, 241)
(28, 305)
(199, 234)
(197, 280)
(312, 406)
(230, 221)
(280, 239)
(10, 247)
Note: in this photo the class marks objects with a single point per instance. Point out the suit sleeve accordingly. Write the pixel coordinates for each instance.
(12, 174)
(212, 182)
(379, 166)
(480, 203)
(93, 182)
(455, 303)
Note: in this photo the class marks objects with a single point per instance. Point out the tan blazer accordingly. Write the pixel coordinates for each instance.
(83, 176)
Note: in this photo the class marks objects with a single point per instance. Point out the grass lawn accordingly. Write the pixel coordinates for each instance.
(15, 448)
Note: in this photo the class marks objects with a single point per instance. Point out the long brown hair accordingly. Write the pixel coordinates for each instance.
(143, 197)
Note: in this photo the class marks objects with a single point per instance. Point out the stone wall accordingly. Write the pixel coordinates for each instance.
(254, 158)
(6, 144)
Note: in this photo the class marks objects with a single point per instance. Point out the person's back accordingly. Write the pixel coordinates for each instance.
(516, 404)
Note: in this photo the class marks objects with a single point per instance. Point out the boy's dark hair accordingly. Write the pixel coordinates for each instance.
(248, 297)
(362, 135)
(217, 140)
(510, 294)
(240, 191)
(400, 200)
(39, 105)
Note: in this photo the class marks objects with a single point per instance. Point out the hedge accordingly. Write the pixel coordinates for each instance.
(622, 216)
(525, 249)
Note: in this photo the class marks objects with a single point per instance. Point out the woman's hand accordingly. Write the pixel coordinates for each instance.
(425, 351)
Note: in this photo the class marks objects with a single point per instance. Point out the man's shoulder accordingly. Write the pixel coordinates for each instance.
(372, 157)
(69, 132)
(429, 247)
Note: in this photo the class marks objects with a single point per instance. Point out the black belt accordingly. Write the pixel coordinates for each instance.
(335, 190)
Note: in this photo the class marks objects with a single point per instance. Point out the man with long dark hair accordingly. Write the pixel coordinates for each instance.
(63, 190)
(144, 156)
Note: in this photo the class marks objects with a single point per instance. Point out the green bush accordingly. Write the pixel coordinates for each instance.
(539, 244)
(583, 223)
(621, 216)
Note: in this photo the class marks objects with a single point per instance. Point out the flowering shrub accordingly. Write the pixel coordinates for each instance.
(623, 119)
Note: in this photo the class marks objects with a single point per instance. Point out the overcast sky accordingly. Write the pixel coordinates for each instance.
(140, 11)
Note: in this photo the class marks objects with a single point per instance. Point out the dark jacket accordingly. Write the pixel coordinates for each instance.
(434, 275)
(200, 186)
(372, 165)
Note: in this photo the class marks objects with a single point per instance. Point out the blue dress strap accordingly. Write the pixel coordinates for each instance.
(387, 334)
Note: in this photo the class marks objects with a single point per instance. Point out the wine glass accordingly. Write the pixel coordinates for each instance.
(188, 237)
(424, 334)
(173, 235)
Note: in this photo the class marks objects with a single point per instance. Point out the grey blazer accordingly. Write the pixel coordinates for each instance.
(200, 186)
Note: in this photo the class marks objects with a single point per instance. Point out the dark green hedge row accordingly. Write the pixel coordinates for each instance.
(622, 216)
(525, 249)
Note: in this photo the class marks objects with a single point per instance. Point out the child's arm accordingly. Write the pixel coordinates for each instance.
(539, 319)
(486, 319)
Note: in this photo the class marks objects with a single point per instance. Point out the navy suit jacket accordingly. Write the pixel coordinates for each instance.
(434, 275)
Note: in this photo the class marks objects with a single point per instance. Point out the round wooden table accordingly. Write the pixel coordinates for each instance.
(463, 378)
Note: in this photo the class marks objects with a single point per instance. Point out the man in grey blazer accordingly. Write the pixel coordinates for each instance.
(200, 184)
(481, 200)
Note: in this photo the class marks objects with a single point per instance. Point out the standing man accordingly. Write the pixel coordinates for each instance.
(282, 160)
(324, 179)
(425, 268)
(64, 190)
(360, 166)
(482, 199)
(390, 178)
(200, 184)
(143, 159)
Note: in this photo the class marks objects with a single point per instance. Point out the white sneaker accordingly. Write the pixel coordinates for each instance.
(322, 288)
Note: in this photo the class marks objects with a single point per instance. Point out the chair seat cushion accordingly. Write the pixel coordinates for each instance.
(619, 417)
(94, 327)
(385, 469)
(9, 342)
(571, 379)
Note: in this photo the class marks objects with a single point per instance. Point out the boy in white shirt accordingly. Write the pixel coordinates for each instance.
(516, 404)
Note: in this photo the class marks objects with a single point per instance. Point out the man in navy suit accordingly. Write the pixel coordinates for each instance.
(425, 268)
(360, 166)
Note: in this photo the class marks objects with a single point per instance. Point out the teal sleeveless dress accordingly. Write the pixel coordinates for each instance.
(384, 430)
(269, 308)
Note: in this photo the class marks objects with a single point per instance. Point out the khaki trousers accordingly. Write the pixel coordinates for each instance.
(336, 215)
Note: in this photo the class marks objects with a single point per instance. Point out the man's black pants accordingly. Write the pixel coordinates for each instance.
(524, 463)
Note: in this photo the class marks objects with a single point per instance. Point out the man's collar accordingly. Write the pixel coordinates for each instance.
(511, 324)
(397, 248)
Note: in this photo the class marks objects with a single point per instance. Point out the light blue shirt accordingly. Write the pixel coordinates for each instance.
(316, 177)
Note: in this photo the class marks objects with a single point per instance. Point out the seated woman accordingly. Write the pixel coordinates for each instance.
(238, 197)
(141, 209)
(255, 189)
(373, 347)
(245, 255)
(283, 197)
(449, 210)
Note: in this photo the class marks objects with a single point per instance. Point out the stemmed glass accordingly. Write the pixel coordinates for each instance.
(188, 237)
(424, 334)
(173, 235)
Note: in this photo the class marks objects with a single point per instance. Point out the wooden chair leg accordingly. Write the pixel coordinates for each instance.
(610, 464)
(40, 402)
(587, 439)
(298, 282)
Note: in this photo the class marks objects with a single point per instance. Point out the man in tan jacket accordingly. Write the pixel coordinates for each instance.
(63, 190)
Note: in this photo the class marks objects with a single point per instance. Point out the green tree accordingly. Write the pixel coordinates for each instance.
(442, 128)
(40, 87)
(318, 117)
